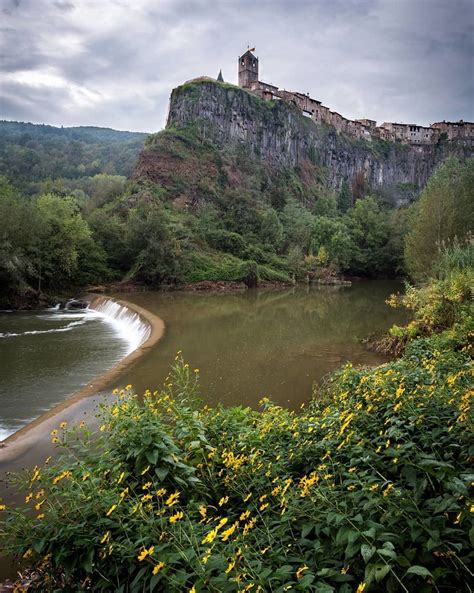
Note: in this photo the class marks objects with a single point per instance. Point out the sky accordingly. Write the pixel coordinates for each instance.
(113, 63)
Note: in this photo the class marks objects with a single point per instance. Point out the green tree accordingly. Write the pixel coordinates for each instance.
(326, 206)
(272, 230)
(444, 212)
(57, 245)
(344, 198)
(157, 251)
(369, 230)
(18, 228)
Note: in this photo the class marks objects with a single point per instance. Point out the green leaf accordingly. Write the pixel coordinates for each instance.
(381, 571)
(419, 570)
(367, 552)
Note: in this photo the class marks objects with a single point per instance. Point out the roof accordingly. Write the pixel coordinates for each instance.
(249, 53)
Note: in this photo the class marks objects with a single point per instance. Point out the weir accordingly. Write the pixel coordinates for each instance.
(128, 323)
(141, 330)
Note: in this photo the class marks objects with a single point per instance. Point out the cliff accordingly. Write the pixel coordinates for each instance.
(280, 137)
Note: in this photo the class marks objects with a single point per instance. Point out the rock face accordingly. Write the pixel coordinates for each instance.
(282, 137)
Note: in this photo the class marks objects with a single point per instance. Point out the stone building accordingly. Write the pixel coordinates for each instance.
(455, 129)
(412, 133)
(248, 69)
(360, 128)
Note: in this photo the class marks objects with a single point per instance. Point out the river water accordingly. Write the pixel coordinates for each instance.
(247, 345)
(274, 343)
(46, 356)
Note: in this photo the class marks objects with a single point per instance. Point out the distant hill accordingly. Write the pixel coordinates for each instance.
(32, 153)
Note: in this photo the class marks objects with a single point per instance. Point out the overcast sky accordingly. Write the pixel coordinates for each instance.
(113, 63)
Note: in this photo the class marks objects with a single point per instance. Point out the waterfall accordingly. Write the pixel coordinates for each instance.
(128, 324)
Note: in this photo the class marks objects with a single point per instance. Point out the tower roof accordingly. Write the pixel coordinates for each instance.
(249, 52)
(220, 78)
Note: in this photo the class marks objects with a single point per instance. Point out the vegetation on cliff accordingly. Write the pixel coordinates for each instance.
(195, 210)
(365, 489)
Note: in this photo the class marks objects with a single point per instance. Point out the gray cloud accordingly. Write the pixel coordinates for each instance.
(114, 62)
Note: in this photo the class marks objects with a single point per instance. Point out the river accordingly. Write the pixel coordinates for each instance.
(275, 343)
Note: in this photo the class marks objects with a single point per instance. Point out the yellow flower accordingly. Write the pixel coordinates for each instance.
(223, 500)
(301, 570)
(28, 553)
(230, 566)
(40, 516)
(63, 425)
(161, 492)
(105, 537)
(111, 510)
(244, 515)
(192, 590)
(172, 499)
(121, 477)
(144, 553)
(202, 511)
(210, 537)
(361, 588)
(2, 507)
(158, 567)
(387, 490)
(228, 532)
(176, 517)
(29, 497)
(143, 472)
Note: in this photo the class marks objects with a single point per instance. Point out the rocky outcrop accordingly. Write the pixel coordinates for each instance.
(280, 135)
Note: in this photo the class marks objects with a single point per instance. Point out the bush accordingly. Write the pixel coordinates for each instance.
(366, 489)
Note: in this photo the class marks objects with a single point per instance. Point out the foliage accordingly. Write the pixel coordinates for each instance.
(443, 302)
(32, 153)
(366, 489)
(344, 198)
(444, 212)
(44, 243)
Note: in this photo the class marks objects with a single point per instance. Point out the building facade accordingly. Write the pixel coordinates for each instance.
(360, 128)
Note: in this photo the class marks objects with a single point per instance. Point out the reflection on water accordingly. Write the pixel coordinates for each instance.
(256, 343)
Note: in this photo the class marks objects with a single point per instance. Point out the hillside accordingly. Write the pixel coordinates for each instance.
(235, 189)
(276, 134)
(31, 153)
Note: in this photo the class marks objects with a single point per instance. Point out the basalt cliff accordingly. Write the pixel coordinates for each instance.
(280, 139)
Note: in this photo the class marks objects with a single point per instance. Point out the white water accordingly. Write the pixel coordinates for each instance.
(39, 371)
(128, 324)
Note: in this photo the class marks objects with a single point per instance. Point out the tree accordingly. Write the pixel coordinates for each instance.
(344, 198)
(444, 212)
(326, 206)
(369, 230)
(156, 250)
(272, 229)
(57, 243)
(17, 232)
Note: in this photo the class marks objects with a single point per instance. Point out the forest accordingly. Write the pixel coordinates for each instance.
(74, 215)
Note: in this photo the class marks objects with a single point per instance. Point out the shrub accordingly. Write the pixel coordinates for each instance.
(366, 489)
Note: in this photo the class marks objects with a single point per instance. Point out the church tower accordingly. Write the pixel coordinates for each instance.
(248, 69)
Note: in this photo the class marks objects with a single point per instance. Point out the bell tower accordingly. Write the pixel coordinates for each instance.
(248, 69)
